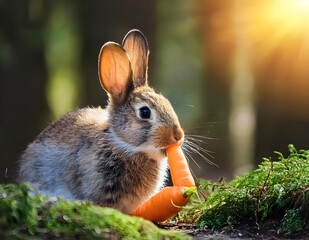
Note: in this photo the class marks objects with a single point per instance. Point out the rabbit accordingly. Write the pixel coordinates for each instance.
(114, 157)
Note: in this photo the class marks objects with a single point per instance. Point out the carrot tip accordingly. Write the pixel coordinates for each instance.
(188, 191)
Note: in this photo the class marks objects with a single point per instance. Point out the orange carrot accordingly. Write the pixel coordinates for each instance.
(168, 202)
(180, 172)
(164, 205)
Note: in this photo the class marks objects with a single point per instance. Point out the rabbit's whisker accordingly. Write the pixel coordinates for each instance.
(199, 148)
(190, 147)
(195, 136)
(187, 153)
(191, 158)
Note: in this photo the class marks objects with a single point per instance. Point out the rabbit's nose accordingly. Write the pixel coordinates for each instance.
(177, 134)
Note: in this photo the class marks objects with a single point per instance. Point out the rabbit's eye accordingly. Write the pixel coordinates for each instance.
(144, 112)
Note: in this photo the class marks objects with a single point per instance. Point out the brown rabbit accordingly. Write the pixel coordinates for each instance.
(114, 157)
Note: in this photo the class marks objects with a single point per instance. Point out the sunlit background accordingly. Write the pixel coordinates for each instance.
(237, 72)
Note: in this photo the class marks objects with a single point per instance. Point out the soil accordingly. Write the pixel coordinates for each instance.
(246, 231)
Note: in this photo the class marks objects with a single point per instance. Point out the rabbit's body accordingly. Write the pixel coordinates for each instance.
(115, 156)
(91, 164)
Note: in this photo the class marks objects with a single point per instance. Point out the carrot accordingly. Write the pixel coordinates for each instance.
(164, 205)
(180, 172)
(168, 202)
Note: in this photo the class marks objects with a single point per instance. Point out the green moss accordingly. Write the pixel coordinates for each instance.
(292, 221)
(29, 216)
(276, 192)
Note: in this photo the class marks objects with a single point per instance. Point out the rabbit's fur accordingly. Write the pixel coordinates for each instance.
(111, 156)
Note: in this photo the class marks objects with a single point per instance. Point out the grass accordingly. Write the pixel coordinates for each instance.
(276, 194)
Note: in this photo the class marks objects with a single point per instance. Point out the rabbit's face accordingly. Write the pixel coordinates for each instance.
(140, 120)
(146, 122)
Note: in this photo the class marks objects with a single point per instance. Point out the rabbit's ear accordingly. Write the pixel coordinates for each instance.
(115, 72)
(136, 45)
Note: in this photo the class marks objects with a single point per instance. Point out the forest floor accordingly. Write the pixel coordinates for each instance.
(246, 231)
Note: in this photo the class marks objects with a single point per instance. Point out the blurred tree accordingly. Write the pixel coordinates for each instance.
(268, 44)
(278, 33)
(22, 78)
(242, 98)
(178, 61)
(62, 51)
(218, 38)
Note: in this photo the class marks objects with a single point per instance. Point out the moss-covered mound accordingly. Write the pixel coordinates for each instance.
(276, 195)
(25, 216)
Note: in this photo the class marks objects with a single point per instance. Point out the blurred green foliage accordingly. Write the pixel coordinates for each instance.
(63, 59)
(179, 59)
